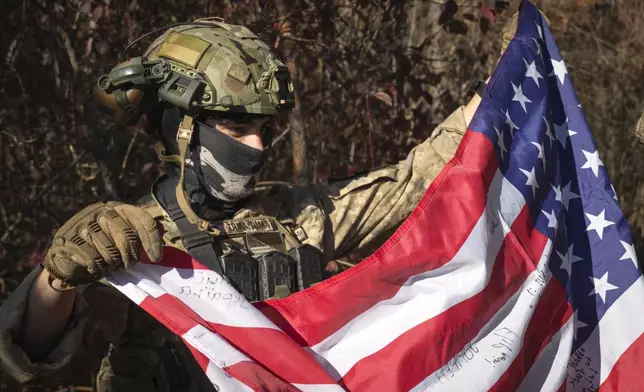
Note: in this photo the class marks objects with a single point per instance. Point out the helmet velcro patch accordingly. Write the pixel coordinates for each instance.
(185, 49)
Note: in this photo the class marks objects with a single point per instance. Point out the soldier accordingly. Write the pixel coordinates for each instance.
(215, 87)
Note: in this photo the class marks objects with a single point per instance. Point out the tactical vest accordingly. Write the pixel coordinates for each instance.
(263, 257)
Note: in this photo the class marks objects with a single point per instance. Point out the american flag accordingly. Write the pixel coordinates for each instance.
(515, 272)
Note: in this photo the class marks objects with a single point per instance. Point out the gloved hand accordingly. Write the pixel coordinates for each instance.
(102, 238)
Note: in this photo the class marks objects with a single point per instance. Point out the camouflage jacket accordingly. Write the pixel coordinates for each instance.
(356, 214)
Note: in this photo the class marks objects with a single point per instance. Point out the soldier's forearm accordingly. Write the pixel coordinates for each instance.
(45, 318)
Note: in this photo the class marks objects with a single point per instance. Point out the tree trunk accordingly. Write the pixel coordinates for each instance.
(298, 139)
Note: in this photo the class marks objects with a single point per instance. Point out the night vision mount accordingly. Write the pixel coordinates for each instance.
(140, 73)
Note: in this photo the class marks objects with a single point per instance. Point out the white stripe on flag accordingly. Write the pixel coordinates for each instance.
(319, 388)
(549, 369)
(427, 295)
(224, 382)
(492, 351)
(204, 291)
(139, 291)
(617, 330)
(216, 348)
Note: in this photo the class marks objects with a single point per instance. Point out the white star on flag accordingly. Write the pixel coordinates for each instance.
(539, 30)
(571, 255)
(510, 123)
(559, 69)
(557, 190)
(565, 263)
(540, 156)
(602, 286)
(548, 130)
(567, 259)
(532, 72)
(520, 97)
(562, 133)
(592, 162)
(614, 192)
(552, 219)
(629, 253)
(500, 141)
(598, 223)
(532, 180)
(577, 323)
(539, 50)
(568, 195)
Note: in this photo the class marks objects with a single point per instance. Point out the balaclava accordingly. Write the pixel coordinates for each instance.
(225, 168)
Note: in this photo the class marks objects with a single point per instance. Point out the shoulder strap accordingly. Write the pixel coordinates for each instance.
(184, 136)
(198, 243)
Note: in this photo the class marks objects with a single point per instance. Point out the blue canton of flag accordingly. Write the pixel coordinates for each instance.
(545, 149)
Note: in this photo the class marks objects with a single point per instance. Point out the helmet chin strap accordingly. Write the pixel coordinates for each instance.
(184, 135)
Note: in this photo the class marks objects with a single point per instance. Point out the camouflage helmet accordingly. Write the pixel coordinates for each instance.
(240, 72)
(201, 66)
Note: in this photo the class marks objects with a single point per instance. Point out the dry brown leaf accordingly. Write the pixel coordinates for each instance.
(384, 97)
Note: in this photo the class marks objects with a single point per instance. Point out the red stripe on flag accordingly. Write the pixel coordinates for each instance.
(251, 374)
(627, 371)
(173, 313)
(201, 359)
(562, 388)
(277, 351)
(424, 349)
(552, 312)
(456, 196)
(258, 378)
(258, 344)
(179, 318)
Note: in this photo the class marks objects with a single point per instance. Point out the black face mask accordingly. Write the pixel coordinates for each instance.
(225, 168)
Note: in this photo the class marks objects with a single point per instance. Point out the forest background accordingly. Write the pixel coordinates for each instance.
(373, 78)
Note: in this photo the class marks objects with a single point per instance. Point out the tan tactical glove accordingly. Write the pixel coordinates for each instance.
(101, 238)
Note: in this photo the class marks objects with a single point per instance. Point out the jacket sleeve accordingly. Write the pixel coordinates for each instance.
(13, 358)
(361, 212)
